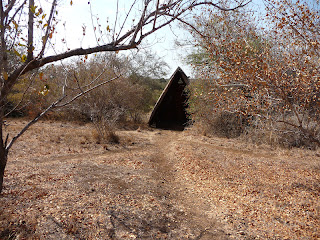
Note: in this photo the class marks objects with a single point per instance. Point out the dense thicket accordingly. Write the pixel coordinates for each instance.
(259, 74)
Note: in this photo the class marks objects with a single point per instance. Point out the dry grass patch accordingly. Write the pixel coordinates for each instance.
(257, 192)
(61, 184)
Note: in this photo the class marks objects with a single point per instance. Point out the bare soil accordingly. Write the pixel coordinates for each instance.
(61, 184)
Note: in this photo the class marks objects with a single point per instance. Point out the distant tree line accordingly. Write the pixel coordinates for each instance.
(128, 98)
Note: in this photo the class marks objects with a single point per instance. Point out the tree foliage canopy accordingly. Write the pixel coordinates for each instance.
(269, 70)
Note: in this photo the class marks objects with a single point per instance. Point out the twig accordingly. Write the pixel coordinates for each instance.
(140, 24)
(115, 21)
(23, 95)
(155, 17)
(125, 20)
(46, 36)
(33, 121)
(94, 30)
(87, 91)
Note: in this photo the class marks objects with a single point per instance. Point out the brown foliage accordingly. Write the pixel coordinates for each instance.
(271, 74)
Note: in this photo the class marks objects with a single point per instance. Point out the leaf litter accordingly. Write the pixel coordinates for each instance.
(61, 184)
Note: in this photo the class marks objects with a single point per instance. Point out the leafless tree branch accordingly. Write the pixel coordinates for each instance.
(94, 28)
(46, 36)
(3, 54)
(10, 6)
(140, 24)
(155, 17)
(87, 91)
(33, 121)
(22, 97)
(125, 20)
(16, 12)
(30, 31)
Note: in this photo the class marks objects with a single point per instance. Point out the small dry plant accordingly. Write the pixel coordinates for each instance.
(104, 131)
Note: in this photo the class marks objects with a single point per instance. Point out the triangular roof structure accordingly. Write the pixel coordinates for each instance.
(170, 110)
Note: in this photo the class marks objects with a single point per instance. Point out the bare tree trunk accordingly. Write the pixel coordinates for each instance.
(3, 163)
(3, 72)
(3, 154)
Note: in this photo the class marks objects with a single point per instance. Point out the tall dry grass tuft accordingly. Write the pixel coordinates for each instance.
(104, 131)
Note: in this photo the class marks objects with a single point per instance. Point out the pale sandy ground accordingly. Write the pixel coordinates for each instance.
(61, 184)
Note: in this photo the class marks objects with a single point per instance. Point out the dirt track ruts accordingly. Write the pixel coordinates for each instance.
(127, 193)
(61, 184)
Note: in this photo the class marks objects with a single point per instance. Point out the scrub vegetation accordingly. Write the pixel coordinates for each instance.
(258, 76)
(79, 161)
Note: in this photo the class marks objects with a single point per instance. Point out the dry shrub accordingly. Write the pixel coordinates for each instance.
(104, 131)
(109, 136)
(276, 133)
(228, 125)
(290, 137)
(256, 130)
(223, 124)
(69, 115)
(241, 67)
(273, 132)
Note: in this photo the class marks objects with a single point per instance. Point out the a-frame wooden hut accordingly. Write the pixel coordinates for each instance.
(170, 109)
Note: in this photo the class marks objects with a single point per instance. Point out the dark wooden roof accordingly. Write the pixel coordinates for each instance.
(178, 78)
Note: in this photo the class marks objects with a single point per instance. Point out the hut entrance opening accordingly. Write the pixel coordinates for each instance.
(170, 110)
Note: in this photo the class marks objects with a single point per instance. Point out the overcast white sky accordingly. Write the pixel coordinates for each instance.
(78, 15)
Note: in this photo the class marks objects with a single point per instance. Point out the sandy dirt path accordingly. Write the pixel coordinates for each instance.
(61, 184)
(130, 192)
(169, 178)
